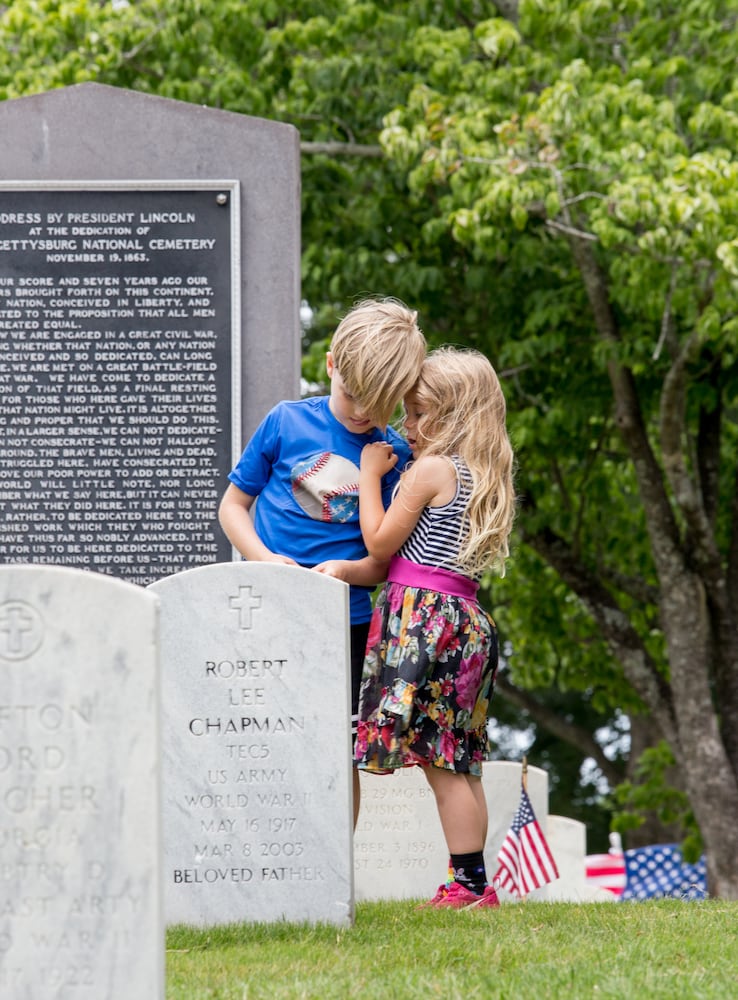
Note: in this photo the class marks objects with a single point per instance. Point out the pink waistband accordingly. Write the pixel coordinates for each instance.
(411, 574)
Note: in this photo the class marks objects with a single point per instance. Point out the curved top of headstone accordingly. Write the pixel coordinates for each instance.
(82, 130)
(92, 95)
(17, 575)
(288, 579)
(56, 611)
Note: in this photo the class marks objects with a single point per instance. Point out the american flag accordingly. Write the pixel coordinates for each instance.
(607, 870)
(525, 861)
(659, 870)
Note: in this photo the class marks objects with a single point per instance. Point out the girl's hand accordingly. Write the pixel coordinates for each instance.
(366, 572)
(378, 458)
(337, 568)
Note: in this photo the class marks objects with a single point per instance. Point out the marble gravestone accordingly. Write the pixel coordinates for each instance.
(80, 899)
(256, 745)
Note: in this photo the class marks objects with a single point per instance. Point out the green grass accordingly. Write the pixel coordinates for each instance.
(663, 949)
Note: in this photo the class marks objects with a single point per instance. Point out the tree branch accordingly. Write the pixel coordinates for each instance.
(732, 573)
(616, 629)
(629, 419)
(672, 430)
(634, 586)
(709, 434)
(579, 234)
(341, 149)
(508, 9)
(556, 724)
(694, 494)
(667, 322)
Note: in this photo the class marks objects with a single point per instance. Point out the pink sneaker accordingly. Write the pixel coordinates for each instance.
(441, 893)
(488, 900)
(459, 898)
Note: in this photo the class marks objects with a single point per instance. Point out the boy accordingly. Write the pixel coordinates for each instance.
(303, 464)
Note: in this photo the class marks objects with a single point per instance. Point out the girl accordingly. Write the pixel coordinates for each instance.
(432, 650)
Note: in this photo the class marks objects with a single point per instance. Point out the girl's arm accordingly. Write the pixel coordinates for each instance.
(366, 572)
(426, 480)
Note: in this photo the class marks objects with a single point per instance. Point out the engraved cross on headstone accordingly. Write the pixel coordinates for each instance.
(245, 602)
(15, 622)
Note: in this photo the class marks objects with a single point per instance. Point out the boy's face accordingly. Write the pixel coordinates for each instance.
(343, 406)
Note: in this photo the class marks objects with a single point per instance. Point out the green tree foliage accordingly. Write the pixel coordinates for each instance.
(556, 184)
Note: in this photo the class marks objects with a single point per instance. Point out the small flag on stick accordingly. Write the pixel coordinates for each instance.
(525, 861)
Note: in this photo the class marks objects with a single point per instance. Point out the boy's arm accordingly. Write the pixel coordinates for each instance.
(236, 522)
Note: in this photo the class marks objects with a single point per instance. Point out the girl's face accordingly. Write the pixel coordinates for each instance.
(415, 409)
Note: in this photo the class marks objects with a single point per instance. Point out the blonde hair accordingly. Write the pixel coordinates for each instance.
(378, 349)
(463, 413)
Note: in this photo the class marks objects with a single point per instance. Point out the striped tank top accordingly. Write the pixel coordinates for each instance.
(436, 538)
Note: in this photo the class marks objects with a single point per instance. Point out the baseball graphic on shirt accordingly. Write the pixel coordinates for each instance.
(326, 486)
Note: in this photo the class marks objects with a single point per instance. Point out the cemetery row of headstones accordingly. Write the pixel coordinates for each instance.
(169, 755)
(181, 754)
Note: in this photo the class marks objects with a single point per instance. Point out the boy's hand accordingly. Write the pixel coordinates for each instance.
(378, 458)
(275, 557)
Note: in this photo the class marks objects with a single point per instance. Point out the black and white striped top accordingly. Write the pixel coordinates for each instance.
(436, 538)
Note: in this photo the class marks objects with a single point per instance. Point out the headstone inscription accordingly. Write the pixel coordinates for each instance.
(117, 351)
(80, 880)
(255, 745)
(399, 849)
(149, 302)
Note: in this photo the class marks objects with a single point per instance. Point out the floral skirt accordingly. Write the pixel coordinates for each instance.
(428, 678)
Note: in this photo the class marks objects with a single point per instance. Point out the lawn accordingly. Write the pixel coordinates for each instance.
(665, 948)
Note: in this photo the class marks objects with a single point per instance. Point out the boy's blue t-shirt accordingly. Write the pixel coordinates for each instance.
(303, 465)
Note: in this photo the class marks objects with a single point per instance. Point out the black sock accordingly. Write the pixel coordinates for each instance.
(470, 872)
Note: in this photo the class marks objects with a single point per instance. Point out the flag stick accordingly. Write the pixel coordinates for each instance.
(525, 774)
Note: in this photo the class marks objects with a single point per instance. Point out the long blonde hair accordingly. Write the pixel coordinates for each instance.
(464, 413)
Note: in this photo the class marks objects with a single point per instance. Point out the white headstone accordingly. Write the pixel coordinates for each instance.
(80, 900)
(399, 848)
(567, 839)
(256, 745)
